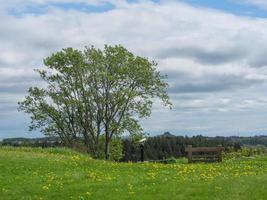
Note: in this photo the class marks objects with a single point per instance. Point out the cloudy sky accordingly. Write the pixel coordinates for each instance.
(214, 53)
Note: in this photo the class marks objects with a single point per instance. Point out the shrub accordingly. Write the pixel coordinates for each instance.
(246, 151)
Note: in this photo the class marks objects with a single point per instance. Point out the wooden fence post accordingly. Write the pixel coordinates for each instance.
(220, 148)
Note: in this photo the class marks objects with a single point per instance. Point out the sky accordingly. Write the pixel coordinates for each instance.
(214, 53)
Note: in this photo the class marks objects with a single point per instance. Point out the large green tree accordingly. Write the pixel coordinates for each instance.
(94, 93)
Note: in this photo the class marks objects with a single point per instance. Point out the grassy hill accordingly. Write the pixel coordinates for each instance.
(28, 173)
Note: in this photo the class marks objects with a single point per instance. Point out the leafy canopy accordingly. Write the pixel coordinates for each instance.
(94, 92)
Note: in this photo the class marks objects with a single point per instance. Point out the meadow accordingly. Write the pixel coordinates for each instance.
(54, 173)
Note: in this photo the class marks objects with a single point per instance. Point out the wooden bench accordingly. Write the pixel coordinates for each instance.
(205, 154)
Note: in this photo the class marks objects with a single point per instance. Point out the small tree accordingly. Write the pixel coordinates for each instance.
(92, 93)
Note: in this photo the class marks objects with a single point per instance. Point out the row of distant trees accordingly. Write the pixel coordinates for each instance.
(33, 142)
(169, 146)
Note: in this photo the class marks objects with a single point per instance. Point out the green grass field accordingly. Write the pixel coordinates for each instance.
(27, 173)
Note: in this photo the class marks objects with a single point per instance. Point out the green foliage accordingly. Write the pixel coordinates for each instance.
(116, 149)
(35, 173)
(92, 93)
(246, 151)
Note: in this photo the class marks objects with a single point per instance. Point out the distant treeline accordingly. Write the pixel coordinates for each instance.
(156, 147)
(33, 142)
(167, 145)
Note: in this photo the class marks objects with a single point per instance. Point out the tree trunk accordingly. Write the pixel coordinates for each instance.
(96, 154)
(107, 146)
(87, 143)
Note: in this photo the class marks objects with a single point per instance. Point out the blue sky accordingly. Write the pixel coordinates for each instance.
(232, 6)
(236, 7)
(214, 53)
(43, 8)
